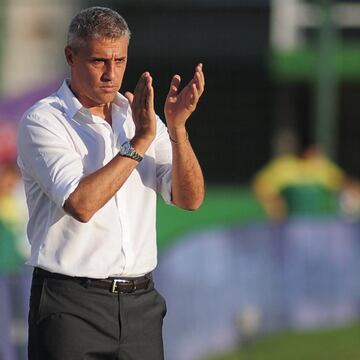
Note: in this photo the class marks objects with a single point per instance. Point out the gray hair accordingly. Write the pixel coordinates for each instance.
(96, 22)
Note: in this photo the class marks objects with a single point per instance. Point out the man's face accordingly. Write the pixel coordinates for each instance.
(97, 70)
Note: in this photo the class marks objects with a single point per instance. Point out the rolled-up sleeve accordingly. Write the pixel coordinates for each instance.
(163, 155)
(47, 154)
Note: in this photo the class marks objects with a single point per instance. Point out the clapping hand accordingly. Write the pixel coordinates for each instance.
(179, 105)
(142, 106)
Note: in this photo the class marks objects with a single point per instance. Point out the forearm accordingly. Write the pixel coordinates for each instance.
(188, 188)
(96, 189)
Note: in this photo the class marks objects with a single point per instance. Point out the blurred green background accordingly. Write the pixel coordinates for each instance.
(329, 344)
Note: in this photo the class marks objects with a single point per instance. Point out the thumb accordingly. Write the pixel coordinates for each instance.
(129, 96)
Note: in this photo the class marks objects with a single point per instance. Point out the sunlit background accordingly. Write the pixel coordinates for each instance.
(269, 267)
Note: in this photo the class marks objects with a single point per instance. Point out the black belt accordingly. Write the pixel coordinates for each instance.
(114, 285)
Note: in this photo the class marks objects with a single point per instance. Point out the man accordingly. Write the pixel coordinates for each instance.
(92, 162)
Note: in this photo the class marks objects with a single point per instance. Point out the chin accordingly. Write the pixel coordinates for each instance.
(108, 98)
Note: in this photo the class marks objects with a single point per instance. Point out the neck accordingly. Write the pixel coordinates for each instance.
(103, 111)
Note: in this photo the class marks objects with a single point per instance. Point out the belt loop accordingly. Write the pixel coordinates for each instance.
(86, 283)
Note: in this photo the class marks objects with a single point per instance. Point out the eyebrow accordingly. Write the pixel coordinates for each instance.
(106, 59)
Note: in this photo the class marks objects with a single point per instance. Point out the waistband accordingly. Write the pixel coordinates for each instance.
(116, 285)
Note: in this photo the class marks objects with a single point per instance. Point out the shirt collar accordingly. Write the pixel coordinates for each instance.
(72, 105)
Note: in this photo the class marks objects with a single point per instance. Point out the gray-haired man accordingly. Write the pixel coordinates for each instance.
(93, 161)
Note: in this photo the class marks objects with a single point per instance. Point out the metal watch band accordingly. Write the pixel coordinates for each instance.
(128, 151)
(133, 155)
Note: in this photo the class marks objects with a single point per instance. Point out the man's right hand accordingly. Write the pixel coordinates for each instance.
(142, 106)
(96, 189)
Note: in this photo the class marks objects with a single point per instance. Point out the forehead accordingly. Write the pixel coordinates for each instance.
(96, 46)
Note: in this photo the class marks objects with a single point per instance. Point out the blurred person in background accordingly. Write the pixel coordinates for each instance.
(297, 183)
(92, 162)
(14, 280)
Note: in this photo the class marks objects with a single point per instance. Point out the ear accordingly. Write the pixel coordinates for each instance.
(69, 55)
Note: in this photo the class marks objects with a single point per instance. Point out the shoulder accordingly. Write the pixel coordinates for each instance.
(46, 112)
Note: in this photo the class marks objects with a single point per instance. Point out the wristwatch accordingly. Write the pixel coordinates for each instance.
(128, 151)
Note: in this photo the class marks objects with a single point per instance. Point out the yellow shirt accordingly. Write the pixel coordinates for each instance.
(290, 170)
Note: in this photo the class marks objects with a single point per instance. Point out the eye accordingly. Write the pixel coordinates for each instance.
(120, 61)
(98, 61)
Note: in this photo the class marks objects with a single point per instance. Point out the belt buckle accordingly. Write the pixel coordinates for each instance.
(115, 283)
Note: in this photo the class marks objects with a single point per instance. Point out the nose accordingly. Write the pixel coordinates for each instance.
(109, 72)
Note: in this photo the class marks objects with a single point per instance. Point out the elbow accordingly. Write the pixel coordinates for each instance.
(193, 207)
(82, 217)
(77, 212)
(192, 204)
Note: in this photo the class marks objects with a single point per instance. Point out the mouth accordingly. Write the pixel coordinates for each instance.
(109, 89)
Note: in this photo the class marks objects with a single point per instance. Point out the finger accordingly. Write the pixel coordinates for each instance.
(146, 89)
(142, 81)
(202, 74)
(129, 96)
(174, 86)
(139, 91)
(201, 71)
(149, 94)
(198, 81)
(199, 77)
(190, 95)
(194, 95)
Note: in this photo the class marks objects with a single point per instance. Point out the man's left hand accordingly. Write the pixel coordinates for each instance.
(179, 105)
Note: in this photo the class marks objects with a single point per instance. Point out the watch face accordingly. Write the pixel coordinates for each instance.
(125, 148)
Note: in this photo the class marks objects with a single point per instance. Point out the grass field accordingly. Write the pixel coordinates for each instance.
(330, 344)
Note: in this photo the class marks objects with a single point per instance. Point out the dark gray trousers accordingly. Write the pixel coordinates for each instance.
(69, 320)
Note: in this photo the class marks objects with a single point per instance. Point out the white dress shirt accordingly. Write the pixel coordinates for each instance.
(60, 142)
